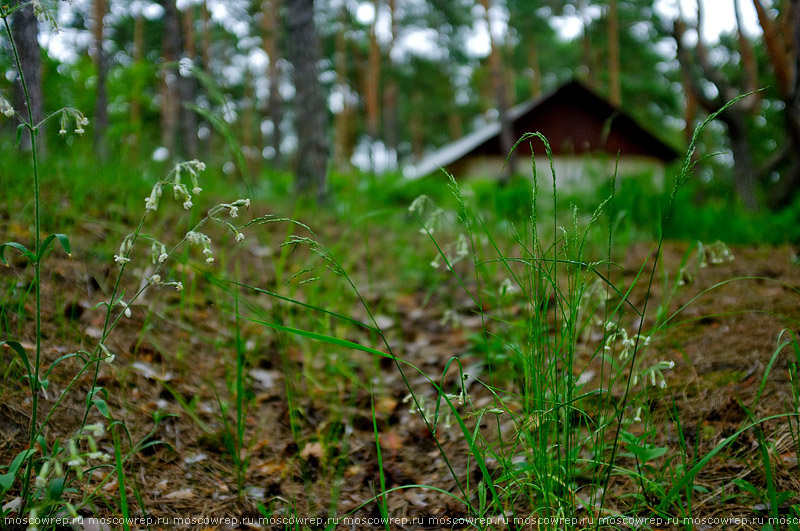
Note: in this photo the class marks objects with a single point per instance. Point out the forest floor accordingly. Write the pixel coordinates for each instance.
(310, 427)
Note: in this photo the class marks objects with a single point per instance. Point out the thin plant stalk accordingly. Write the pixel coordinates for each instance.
(36, 262)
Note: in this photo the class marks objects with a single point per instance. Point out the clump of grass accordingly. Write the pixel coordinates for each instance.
(568, 381)
(52, 476)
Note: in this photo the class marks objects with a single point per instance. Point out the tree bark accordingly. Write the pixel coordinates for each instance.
(25, 30)
(170, 93)
(101, 65)
(187, 86)
(535, 65)
(343, 119)
(206, 38)
(614, 85)
(311, 119)
(744, 170)
(783, 191)
(734, 118)
(501, 100)
(390, 94)
(177, 89)
(271, 29)
(138, 56)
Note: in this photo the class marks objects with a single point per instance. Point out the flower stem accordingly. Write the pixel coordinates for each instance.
(36, 268)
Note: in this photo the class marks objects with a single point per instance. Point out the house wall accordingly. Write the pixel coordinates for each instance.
(573, 173)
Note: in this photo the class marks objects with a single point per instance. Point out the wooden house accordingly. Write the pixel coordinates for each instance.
(584, 130)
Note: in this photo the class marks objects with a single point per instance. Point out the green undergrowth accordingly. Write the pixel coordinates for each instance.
(553, 405)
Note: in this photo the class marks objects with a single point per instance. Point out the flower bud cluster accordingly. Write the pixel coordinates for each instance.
(77, 116)
(6, 108)
(628, 344)
(198, 238)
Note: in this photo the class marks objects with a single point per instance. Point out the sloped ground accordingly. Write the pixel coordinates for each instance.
(309, 422)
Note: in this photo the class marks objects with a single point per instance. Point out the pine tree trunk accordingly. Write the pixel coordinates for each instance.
(101, 65)
(310, 109)
(271, 10)
(187, 86)
(138, 55)
(206, 42)
(341, 152)
(25, 30)
(535, 66)
(170, 91)
(587, 50)
(415, 129)
(178, 89)
(390, 93)
(136, 88)
(744, 171)
(501, 100)
(614, 85)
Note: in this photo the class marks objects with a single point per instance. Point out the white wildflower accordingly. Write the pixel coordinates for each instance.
(210, 260)
(62, 132)
(151, 203)
(187, 204)
(234, 211)
(196, 190)
(194, 237)
(162, 258)
(33, 517)
(97, 430)
(178, 286)
(239, 236)
(462, 246)
(121, 259)
(79, 130)
(109, 357)
(6, 108)
(41, 478)
(155, 279)
(128, 312)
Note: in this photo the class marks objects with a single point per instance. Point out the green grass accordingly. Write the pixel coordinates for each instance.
(549, 405)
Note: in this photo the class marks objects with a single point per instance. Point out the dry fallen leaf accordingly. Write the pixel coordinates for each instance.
(94, 332)
(183, 494)
(313, 449)
(391, 441)
(264, 379)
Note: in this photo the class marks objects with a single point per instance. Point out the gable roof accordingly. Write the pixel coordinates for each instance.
(573, 118)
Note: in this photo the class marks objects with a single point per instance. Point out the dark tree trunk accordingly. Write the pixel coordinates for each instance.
(784, 190)
(275, 102)
(25, 30)
(187, 87)
(178, 90)
(744, 170)
(614, 67)
(311, 115)
(170, 95)
(101, 64)
(501, 100)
